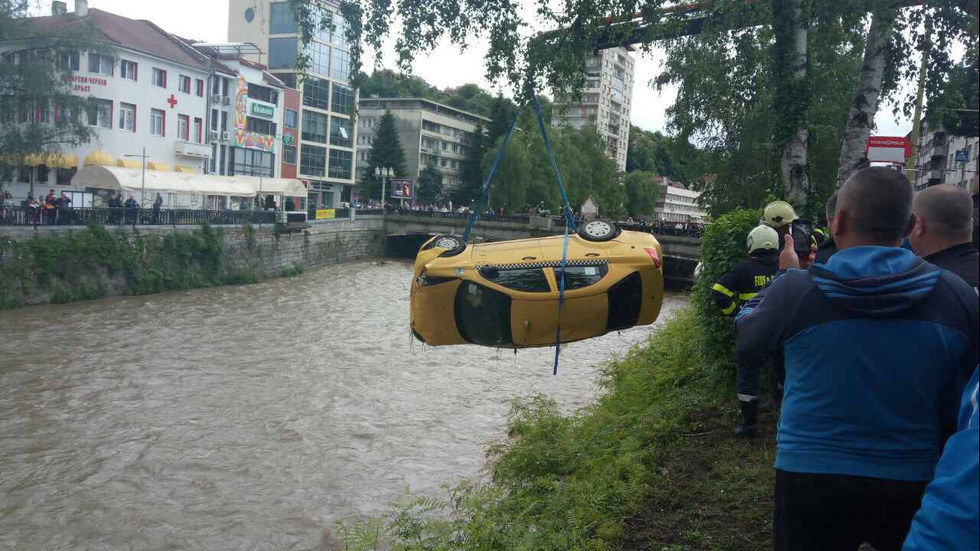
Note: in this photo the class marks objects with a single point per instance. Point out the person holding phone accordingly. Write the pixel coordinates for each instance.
(782, 217)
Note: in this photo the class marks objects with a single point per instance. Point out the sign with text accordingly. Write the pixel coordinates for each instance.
(326, 214)
(262, 109)
(962, 156)
(888, 149)
(402, 188)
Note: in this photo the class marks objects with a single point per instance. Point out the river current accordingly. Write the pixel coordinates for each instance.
(249, 417)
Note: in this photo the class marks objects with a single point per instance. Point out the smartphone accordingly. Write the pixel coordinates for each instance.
(802, 232)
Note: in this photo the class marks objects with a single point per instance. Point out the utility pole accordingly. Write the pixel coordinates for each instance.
(143, 158)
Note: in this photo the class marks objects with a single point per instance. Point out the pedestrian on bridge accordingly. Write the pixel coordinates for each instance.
(879, 345)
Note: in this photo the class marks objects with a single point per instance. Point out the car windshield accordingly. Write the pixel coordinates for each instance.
(577, 277)
(530, 280)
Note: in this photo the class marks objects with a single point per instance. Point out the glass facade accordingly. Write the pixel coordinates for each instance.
(341, 164)
(314, 126)
(341, 132)
(319, 55)
(340, 66)
(313, 160)
(251, 162)
(281, 19)
(282, 53)
(316, 93)
(342, 100)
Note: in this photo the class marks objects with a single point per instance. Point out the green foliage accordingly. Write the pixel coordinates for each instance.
(722, 246)
(386, 152)
(249, 232)
(471, 174)
(668, 156)
(85, 265)
(961, 93)
(567, 481)
(430, 186)
(385, 83)
(642, 193)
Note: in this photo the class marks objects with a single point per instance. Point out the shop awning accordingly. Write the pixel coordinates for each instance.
(129, 163)
(63, 161)
(100, 158)
(131, 179)
(157, 165)
(185, 169)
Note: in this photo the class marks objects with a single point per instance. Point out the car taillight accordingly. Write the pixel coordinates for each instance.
(654, 256)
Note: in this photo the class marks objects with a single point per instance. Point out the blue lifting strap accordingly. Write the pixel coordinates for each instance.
(486, 185)
(569, 224)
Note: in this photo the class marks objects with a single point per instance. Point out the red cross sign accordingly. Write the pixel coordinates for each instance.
(172, 100)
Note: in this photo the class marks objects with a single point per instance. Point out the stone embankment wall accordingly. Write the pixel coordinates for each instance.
(61, 264)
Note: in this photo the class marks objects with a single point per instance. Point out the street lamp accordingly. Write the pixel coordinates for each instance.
(143, 178)
(383, 172)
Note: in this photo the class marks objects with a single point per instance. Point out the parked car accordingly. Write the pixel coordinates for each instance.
(505, 294)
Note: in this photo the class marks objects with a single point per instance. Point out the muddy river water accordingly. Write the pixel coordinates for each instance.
(249, 417)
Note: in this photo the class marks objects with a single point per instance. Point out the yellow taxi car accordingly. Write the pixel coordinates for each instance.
(505, 294)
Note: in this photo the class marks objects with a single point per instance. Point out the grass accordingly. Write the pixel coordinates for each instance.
(652, 464)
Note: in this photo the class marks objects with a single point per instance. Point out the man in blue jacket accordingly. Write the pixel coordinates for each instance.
(878, 345)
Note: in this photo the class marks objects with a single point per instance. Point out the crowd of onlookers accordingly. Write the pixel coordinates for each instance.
(873, 337)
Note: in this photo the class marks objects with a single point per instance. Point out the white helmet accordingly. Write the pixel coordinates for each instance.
(762, 238)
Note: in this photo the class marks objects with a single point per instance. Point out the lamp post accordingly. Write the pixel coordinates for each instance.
(383, 172)
(142, 178)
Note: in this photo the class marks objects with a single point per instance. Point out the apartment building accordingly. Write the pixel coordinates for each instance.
(605, 102)
(432, 134)
(677, 204)
(325, 128)
(944, 158)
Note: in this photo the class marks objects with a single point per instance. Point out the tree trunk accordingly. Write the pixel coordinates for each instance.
(865, 103)
(793, 99)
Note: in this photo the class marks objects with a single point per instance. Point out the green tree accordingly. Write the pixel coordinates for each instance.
(429, 189)
(642, 193)
(39, 114)
(502, 112)
(386, 152)
(471, 174)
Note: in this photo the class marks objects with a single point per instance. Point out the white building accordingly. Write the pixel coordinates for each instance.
(677, 204)
(432, 135)
(937, 163)
(606, 101)
(151, 94)
(326, 128)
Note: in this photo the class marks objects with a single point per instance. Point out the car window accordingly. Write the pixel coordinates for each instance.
(530, 280)
(482, 315)
(577, 277)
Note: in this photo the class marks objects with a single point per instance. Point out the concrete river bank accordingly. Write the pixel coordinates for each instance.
(248, 417)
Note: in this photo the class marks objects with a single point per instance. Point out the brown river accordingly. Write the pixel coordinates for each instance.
(250, 417)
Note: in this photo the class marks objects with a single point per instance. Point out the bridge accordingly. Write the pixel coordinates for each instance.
(407, 230)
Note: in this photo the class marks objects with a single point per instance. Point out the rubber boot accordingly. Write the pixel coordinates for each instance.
(750, 414)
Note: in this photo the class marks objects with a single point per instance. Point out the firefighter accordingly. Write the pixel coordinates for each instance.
(736, 287)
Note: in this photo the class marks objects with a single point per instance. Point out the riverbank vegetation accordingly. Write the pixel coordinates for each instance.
(98, 262)
(651, 464)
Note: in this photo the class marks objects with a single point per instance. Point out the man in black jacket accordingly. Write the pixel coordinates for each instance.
(943, 231)
(740, 285)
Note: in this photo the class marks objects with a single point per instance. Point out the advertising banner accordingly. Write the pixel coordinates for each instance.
(326, 214)
(888, 149)
(402, 188)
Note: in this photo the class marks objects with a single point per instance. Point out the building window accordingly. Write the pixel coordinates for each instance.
(100, 64)
(319, 55)
(314, 126)
(340, 66)
(158, 122)
(291, 118)
(198, 132)
(316, 93)
(342, 100)
(282, 20)
(338, 36)
(127, 117)
(184, 128)
(282, 53)
(340, 164)
(199, 83)
(101, 114)
(289, 79)
(159, 78)
(261, 126)
(262, 93)
(252, 162)
(340, 132)
(184, 84)
(289, 154)
(313, 160)
(128, 69)
(68, 61)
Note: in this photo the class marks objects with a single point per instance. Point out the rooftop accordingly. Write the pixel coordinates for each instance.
(368, 103)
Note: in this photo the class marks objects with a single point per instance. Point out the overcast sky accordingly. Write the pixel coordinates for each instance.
(208, 20)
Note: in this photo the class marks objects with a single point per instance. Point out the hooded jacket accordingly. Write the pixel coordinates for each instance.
(878, 345)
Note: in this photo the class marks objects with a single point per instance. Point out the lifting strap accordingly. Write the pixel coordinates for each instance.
(486, 185)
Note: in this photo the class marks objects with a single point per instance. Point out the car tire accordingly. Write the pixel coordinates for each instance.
(453, 245)
(598, 230)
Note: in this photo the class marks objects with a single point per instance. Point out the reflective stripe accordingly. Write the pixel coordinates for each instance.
(747, 398)
(729, 310)
(746, 296)
(723, 290)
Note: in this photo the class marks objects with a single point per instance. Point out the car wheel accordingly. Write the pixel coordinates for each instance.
(451, 243)
(598, 230)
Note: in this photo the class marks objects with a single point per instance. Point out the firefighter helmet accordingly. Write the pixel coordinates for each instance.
(762, 238)
(777, 214)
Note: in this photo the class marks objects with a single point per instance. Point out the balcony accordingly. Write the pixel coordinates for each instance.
(190, 149)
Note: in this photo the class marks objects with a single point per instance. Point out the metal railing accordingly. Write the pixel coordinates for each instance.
(69, 216)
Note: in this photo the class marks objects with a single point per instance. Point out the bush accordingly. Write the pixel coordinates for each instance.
(722, 247)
